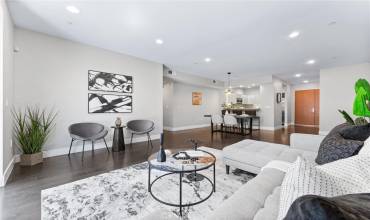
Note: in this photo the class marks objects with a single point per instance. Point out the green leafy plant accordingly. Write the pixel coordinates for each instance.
(360, 105)
(361, 121)
(32, 128)
(347, 117)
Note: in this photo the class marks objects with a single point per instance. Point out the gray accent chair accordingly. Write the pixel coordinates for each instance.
(87, 131)
(139, 127)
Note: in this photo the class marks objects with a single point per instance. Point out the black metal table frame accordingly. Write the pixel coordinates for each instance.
(242, 129)
(181, 174)
(242, 125)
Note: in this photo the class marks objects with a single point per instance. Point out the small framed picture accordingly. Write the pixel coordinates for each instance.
(197, 98)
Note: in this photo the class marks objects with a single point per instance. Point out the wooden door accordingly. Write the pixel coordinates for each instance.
(317, 107)
(307, 107)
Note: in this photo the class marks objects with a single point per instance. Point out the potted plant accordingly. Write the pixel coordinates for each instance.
(32, 128)
(361, 104)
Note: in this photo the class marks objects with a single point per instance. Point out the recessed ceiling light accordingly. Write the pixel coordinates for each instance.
(305, 81)
(298, 75)
(253, 84)
(310, 62)
(73, 9)
(241, 86)
(294, 34)
(248, 87)
(159, 41)
(207, 59)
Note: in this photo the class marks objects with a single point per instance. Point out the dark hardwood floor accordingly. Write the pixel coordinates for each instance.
(21, 197)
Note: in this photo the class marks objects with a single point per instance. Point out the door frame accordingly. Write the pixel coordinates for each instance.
(316, 107)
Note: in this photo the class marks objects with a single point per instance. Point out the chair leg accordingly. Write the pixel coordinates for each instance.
(132, 135)
(150, 140)
(227, 169)
(92, 145)
(83, 147)
(106, 145)
(69, 153)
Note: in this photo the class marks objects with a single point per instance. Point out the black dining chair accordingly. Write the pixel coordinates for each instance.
(138, 127)
(87, 131)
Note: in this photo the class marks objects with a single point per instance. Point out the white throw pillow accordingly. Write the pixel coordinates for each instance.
(365, 150)
(346, 176)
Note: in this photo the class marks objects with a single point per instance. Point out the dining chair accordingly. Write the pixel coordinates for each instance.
(230, 122)
(217, 120)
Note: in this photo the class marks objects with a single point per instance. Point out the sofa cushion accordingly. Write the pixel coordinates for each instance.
(351, 207)
(270, 208)
(356, 132)
(350, 175)
(335, 147)
(259, 153)
(251, 197)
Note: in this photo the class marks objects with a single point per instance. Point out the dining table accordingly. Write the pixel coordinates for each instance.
(244, 119)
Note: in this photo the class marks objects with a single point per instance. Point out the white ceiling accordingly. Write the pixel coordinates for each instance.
(247, 38)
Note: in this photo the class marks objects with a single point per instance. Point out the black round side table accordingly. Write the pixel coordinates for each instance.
(118, 139)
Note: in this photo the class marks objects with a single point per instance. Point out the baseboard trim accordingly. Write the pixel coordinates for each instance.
(77, 147)
(288, 124)
(302, 125)
(323, 132)
(7, 172)
(185, 127)
(271, 128)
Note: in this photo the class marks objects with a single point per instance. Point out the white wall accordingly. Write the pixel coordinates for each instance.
(1, 89)
(279, 87)
(305, 86)
(52, 72)
(337, 92)
(266, 103)
(180, 113)
(6, 99)
(252, 95)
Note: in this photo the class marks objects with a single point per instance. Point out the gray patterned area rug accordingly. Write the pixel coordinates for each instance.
(123, 194)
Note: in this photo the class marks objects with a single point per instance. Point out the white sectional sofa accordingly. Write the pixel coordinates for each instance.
(259, 198)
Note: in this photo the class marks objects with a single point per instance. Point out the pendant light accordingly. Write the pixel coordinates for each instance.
(228, 91)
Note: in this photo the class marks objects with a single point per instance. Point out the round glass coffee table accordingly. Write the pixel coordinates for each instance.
(186, 162)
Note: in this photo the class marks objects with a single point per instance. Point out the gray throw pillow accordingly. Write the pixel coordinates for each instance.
(356, 132)
(335, 147)
(312, 207)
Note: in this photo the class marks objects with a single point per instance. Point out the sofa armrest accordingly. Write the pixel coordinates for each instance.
(308, 142)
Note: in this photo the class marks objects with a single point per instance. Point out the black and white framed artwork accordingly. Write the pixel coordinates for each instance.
(109, 82)
(109, 103)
